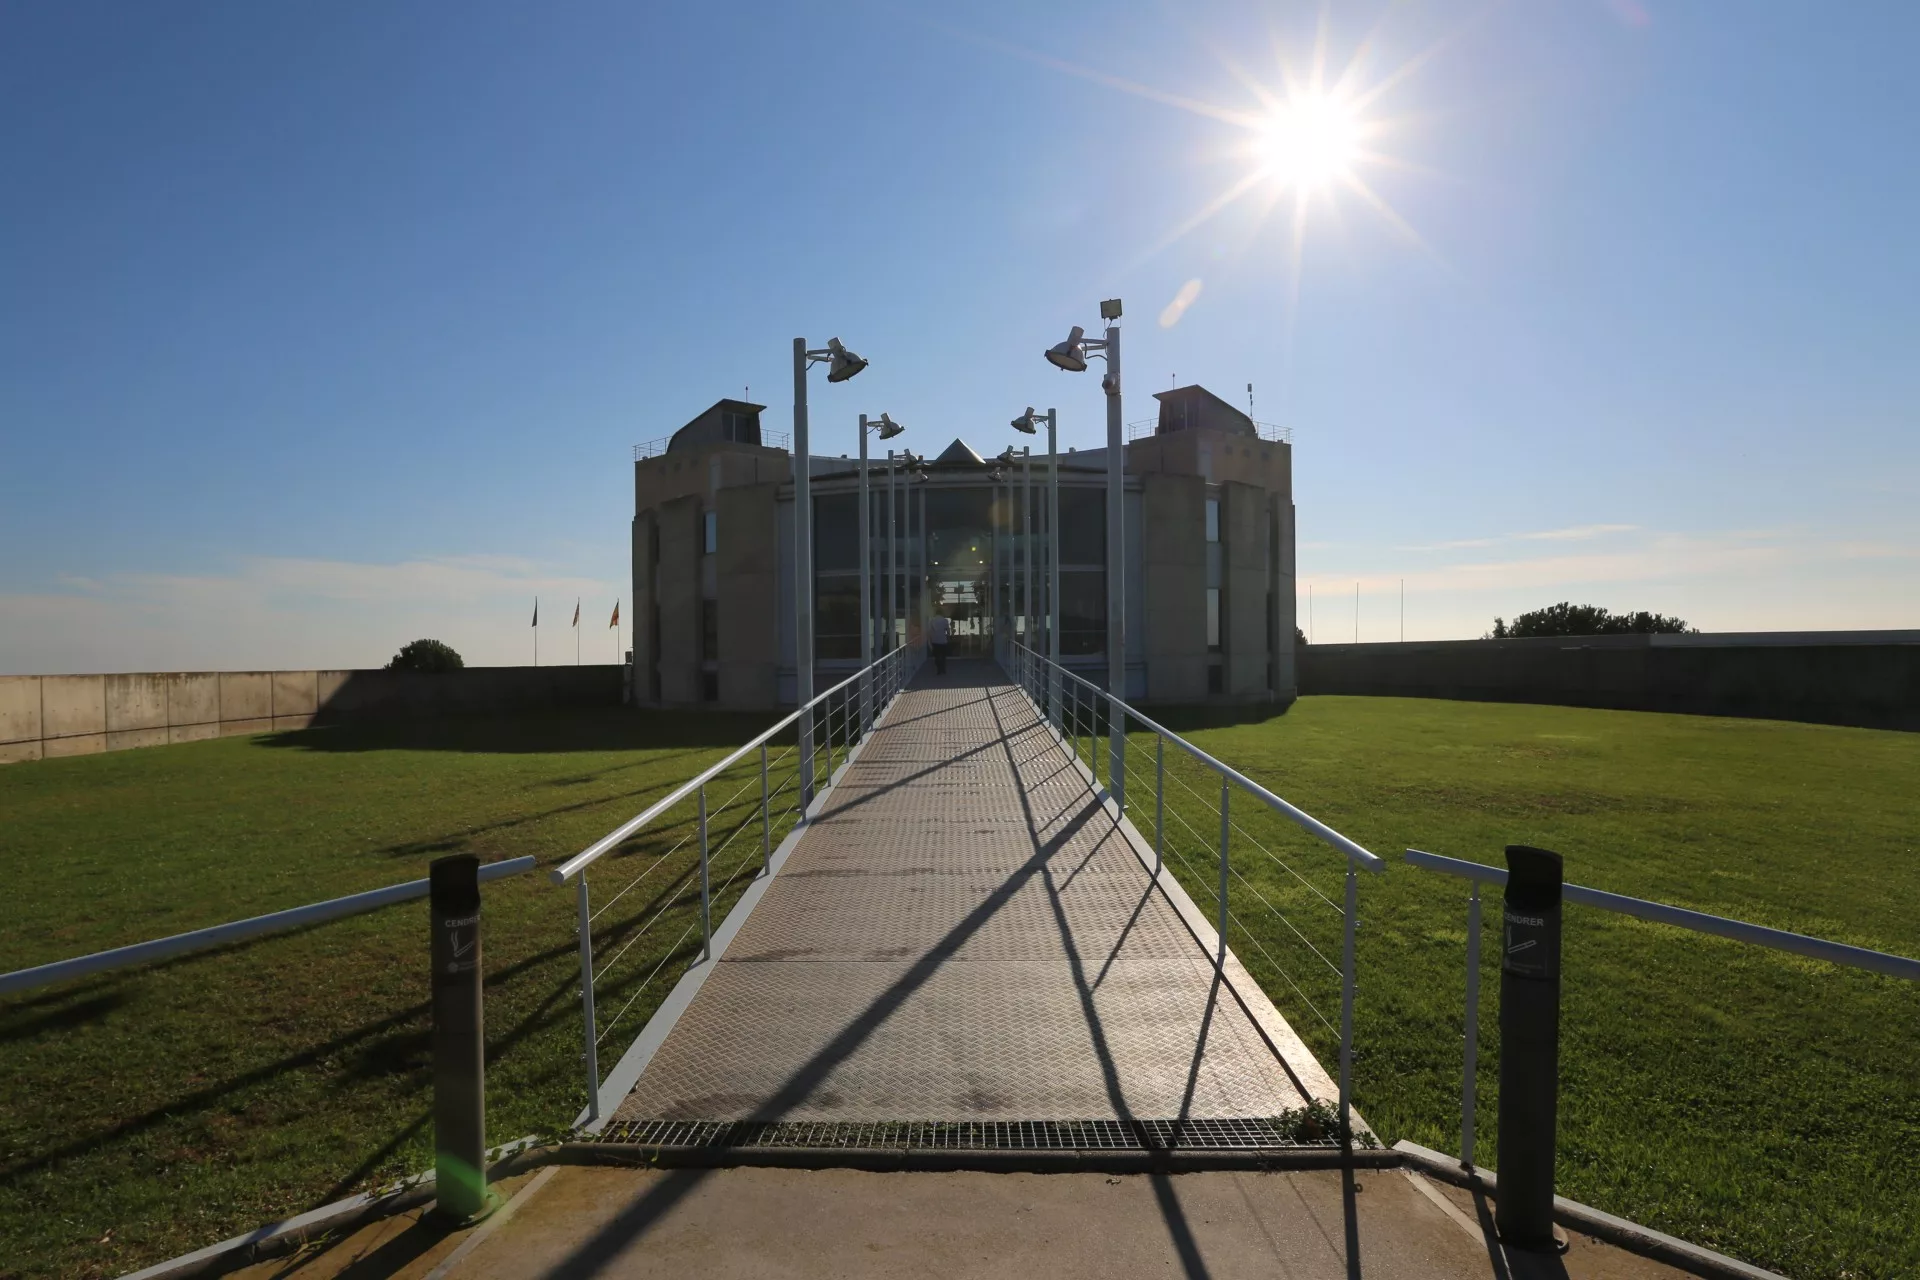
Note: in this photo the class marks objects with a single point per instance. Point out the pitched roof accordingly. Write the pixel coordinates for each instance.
(961, 451)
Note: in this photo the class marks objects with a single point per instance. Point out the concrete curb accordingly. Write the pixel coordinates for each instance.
(287, 1235)
(1630, 1236)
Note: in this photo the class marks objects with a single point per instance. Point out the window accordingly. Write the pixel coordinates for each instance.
(710, 686)
(1213, 575)
(1083, 610)
(711, 543)
(1083, 528)
(710, 630)
(1216, 679)
(836, 533)
(836, 616)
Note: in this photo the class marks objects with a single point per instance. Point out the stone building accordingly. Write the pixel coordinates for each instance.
(1209, 558)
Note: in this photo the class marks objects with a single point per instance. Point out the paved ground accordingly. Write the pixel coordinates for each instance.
(631, 1223)
(965, 934)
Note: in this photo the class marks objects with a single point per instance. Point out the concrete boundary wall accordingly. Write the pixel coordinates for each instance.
(1865, 678)
(45, 717)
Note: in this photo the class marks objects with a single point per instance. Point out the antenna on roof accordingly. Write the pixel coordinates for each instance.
(1249, 399)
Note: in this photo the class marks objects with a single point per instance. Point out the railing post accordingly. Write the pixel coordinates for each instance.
(804, 748)
(459, 1039)
(586, 1002)
(1225, 826)
(1117, 753)
(766, 817)
(1467, 1083)
(706, 897)
(1159, 800)
(1346, 1005)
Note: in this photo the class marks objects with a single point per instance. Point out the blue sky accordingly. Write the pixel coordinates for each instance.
(331, 326)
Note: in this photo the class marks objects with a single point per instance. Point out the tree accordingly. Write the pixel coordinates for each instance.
(1566, 619)
(1299, 637)
(427, 655)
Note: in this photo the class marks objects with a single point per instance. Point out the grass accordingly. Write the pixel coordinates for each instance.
(1761, 1104)
(151, 1111)
(1758, 1103)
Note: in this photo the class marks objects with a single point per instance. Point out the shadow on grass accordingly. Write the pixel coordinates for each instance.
(597, 729)
(394, 1043)
(1189, 719)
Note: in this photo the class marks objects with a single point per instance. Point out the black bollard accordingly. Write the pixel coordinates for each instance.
(459, 1041)
(1529, 1048)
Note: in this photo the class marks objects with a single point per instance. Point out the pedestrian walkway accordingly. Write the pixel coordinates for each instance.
(965, 934)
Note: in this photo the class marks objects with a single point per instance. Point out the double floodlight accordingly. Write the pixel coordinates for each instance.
(886, 428)
(1070, 355)
(843, 364)
(1025, 423)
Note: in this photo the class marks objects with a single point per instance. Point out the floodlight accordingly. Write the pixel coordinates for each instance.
(888, 428)
(1024, 422)
(996, 475)
(1110, 309)
(844, 363)
(1070, 355)
(1008, 457)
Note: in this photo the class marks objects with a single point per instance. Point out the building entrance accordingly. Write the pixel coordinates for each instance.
(959, 551)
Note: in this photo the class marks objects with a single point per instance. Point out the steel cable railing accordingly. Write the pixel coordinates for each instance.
(1281, 906)
(819, 739)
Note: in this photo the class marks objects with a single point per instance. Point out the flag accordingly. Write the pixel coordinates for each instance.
(576, 613)
(536, 611)
(616, 615)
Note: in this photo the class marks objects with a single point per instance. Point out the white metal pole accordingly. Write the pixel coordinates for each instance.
(866, 557)
(893, 555)
(1026, 543)
(1116, 524)
(592, 1056)
(802, 568)
(1467, 1081)
(1053, 563)
(1053, 540)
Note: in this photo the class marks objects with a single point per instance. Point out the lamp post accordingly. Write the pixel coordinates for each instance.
(1071, 355)
(886, 428)
(893, 555)
(1028, 423)
(842, 364)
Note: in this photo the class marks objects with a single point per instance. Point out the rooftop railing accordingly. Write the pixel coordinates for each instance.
(1272, 432)
(768, 440)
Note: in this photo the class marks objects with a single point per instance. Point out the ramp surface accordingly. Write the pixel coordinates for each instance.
(964, 933)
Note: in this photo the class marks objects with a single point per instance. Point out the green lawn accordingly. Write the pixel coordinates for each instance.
(152, 1111)
(1755, 1102)
(1764, 1105)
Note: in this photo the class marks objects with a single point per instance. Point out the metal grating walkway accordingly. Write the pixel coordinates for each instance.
(962, 937)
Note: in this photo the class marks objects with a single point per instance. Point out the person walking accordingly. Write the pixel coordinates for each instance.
(940, 636)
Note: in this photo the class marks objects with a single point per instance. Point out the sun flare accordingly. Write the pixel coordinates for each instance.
(1309, 142)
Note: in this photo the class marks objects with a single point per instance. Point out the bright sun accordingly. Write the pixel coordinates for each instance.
(1309, 142)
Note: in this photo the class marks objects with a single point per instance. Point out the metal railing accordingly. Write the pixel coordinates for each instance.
(1680, 917)
(1184, 825)
(771, 798)
(221, 935)
(768, 440)
(1271, 432)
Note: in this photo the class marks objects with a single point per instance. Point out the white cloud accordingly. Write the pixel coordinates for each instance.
(1579, 533)
(273, 612)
